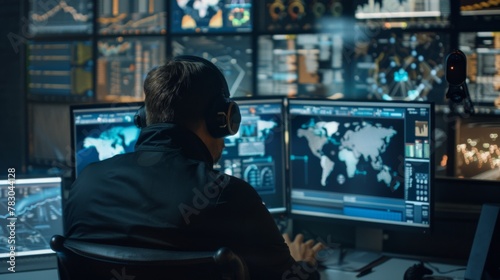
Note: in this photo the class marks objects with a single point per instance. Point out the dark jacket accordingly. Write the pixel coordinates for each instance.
(167, 194)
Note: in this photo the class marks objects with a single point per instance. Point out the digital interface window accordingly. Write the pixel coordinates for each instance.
(231, 54)
(190, 16)
(123, 64)
(39, 216)
(400, 65)
(299, 15)
(302, 65)
(256, 153)
(59, 17)
(478, 8)
(483, 60)
(478, 148)
(132, 17)
(102, 131)
(336, 173)
(402, 13)
(60, 68)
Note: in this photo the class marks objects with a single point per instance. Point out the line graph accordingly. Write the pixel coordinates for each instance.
(63, 16)
(38, 217)
(65, 8)
(136, 17)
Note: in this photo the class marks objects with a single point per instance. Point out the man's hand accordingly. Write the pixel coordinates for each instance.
(303, 251)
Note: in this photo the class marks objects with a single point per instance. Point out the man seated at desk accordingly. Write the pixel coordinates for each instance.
(166, 194)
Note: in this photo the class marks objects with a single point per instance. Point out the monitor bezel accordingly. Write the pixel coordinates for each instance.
(283, 102)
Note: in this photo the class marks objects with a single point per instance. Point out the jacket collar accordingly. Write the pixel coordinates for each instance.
(167, 136)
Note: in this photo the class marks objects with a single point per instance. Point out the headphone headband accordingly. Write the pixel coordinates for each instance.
(223, 117)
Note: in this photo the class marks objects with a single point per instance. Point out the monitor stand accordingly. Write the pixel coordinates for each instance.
(366, 254)
(369, 239)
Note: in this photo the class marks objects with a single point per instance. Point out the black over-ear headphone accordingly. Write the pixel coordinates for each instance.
(140, 117)
(223, 117)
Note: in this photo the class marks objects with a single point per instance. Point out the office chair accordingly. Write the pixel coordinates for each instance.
(78, 260)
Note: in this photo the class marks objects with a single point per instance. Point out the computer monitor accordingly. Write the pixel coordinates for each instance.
(232, 54)
(101, 131)
(132, 17)
(60, 17)
(123, 63)
(28, 224)
(475, 9)
(256, 153)
(301, 65)
(211, 16)
(483, 76)
(60, 69)
(275, 16)
(400, 65)
(478, 15)
(367, 162)
(296, 16)
(403, 13)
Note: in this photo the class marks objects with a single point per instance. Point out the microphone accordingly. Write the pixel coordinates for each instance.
(456, 75)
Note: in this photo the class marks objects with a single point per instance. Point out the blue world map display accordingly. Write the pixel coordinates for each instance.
(346, 155)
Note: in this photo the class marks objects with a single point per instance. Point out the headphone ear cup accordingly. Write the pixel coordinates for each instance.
(224, 119)
(140, 117)
(234, 118)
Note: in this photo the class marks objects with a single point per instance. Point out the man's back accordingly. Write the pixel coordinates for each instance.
(166, 194)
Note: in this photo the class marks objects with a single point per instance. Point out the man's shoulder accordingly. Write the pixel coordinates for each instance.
(112, 162)
(238, 188)
(235, 182)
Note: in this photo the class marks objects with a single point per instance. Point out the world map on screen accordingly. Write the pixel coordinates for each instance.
(359, 140)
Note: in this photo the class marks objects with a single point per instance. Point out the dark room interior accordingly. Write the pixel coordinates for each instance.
(311, 78)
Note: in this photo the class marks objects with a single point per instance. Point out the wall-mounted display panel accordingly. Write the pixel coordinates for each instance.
(214, 16)
(301, 65)
(60, 17)
(403, 14)
(60, 68)
(132, 17)
(123, 64)
(400, 65)
(231, 54)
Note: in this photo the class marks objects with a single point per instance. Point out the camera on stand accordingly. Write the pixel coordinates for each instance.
(456, 75)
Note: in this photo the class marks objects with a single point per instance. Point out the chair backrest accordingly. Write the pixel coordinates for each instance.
(84, 260)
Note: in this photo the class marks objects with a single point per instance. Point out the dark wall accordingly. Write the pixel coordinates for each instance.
(12, 98)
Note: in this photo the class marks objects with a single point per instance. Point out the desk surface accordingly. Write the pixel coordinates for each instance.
(50, 274)
(394, 268)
